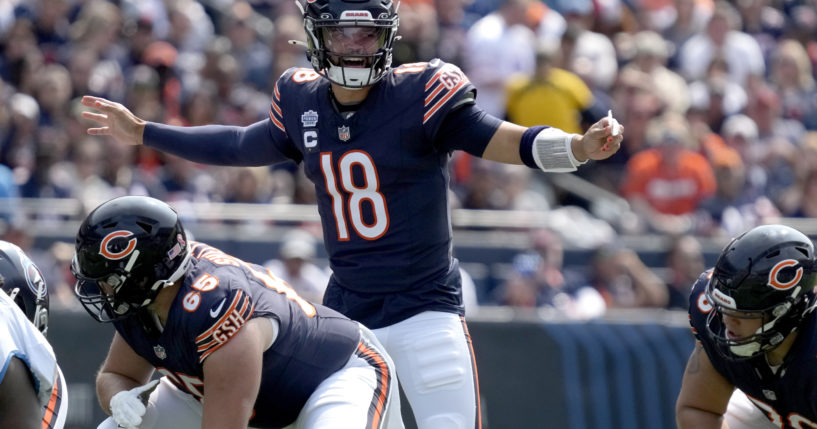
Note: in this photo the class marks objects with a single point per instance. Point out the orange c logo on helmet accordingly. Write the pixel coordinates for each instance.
(104, 246)
(777, 284)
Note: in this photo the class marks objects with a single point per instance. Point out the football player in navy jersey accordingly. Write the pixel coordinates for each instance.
(33, 393)
(234, 345)
(755, 361)
(376, 142)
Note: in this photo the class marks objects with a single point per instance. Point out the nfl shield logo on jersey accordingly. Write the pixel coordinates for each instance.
(160, 352)
(344, 134)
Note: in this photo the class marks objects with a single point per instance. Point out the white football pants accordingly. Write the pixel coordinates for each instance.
(743, 414)
(436, 367)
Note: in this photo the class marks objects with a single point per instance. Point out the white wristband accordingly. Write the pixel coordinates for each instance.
(553, 153)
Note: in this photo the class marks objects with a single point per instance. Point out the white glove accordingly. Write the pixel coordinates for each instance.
(128, 406)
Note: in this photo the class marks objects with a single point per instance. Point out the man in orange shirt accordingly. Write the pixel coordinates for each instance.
(666, 182)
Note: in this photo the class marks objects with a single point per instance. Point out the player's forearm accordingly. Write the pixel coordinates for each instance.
(695, 418)
(215, 144)
(504, 145)
(221, 416)
(109, 384)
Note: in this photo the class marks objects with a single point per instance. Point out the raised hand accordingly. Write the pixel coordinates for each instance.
(601, 140)
(114, 120)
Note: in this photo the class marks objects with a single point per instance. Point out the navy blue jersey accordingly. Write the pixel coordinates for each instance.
(788, 398)
(219, 294)
(380, 175)
(381, 182)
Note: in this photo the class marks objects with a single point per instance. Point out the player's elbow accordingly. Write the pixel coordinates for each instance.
(688, 417)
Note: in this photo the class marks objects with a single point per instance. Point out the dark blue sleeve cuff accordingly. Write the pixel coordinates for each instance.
(526, 145)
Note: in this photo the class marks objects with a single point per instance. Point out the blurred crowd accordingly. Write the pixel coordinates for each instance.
(718, 99)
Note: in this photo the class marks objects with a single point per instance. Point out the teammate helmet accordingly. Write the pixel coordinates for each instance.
(350, 41)
(127, 250)
(23, 282)
(767, 273)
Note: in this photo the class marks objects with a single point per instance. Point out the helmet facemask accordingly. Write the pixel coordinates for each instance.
(777, 322)
(351, 48)
(120, 294)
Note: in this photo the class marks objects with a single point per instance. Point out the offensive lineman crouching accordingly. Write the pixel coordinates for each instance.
(235, 345)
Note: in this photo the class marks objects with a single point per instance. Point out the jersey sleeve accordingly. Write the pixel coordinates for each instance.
(444, 85)
(254, 145)
(19, 338)
(220, 318)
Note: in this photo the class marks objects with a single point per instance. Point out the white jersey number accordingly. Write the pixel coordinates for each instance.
(355, 195)
(796, 421)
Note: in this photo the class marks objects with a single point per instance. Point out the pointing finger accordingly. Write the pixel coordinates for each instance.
(102, 131)
(104, 105)
(90, 101)
(98, 117)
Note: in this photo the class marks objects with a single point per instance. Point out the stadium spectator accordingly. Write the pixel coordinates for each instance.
(499, 45)
(296, 265)
(685, 262)
(735, 206)
(765, 107)
(249, 35)
(722, 36)
(551, 95)
(650, 56)
(678, 21)
(540, 279)
(792, 78)
(623, 280)
(666, 183)
(589, 54)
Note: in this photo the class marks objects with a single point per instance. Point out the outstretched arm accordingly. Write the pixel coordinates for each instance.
(508, 143)
(253, 145)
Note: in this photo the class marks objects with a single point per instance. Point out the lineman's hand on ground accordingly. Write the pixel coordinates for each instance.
(128, 406)
(113, 119)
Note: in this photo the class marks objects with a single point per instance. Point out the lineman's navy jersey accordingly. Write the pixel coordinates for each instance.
(219, 294)
(788, 398)
(381, 185)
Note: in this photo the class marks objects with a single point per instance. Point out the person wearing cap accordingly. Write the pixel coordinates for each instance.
(666, 182)
(650, 55)
(296, 267)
